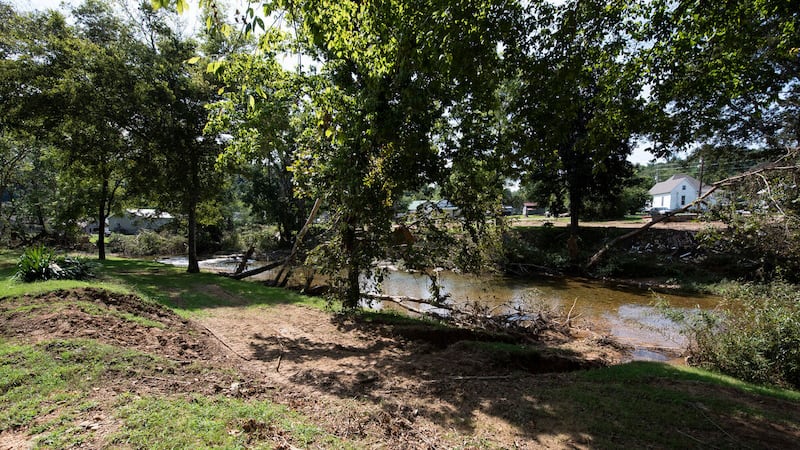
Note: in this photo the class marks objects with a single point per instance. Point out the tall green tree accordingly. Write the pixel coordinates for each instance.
(725, 73)
(401, 80)
(26, 175)
(578, 99)
(398, 81)
(264, 136)
(177, 171)
(79, 93)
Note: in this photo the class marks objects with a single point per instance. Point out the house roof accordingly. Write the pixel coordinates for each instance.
(148, 213)
(665, 187)
(444, 205)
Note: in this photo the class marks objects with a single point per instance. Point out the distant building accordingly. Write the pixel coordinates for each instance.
(532, 209)
(133, 220)
(429, 206)
(676, 192)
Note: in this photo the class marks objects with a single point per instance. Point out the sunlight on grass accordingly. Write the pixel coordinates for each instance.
(12, 288)
(191, 293)
(643, 371)
(187, 294)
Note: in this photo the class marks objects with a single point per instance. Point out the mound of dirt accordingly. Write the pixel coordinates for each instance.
(110, 318)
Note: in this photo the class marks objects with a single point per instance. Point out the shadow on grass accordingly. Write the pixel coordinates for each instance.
(192, 292)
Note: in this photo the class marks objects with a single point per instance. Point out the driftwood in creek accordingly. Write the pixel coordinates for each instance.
(519, 324)
(284, 273)
(245, 258)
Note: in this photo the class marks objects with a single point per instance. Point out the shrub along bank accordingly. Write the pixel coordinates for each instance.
(753, 335)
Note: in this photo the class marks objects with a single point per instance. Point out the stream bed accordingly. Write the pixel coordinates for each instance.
(626, 313)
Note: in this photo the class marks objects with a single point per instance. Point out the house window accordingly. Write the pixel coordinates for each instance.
(683, 200)
(683, 188)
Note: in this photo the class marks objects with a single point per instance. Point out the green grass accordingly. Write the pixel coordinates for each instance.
(185, 293)
(192, 293)
(47, 388)
(655, 405)
(52, 379)
(213, 422)
(638, 372)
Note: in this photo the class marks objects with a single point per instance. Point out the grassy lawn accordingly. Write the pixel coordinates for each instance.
(50, 390)
(171, 286)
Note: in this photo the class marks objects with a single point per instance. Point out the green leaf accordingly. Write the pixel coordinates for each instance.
(193, 60)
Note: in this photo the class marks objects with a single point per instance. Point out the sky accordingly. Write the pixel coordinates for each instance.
(639, 155)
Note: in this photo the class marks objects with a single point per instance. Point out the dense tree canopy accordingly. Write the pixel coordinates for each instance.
(725, 72)
(403, 96)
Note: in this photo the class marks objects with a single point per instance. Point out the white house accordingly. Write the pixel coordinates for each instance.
(428, 206)
(676, 192)
(532, 209)
(133, 220)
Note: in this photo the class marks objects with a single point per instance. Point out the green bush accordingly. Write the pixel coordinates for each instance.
(754, 334)
(262, 237)
(147, 243)
(39, 263)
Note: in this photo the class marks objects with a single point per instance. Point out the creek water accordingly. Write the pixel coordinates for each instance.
(626, 313)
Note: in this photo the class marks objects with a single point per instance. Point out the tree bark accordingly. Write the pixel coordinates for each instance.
(194, 265)
(245, 258)
(352, 293)
(574, 217)
(101, 221)
(296, 247)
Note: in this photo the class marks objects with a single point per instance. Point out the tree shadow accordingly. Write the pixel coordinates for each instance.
(418, 374)
(175, 288)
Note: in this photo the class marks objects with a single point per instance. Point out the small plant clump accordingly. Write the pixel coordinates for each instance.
(754, 335)
(39, 263)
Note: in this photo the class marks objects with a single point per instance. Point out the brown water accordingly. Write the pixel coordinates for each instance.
(628, 314)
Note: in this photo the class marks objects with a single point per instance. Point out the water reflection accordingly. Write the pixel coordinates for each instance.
(628, 313)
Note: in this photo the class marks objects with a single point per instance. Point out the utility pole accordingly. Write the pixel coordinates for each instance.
(700, 189)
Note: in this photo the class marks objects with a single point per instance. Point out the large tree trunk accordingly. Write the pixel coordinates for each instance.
(352, 293)
(574, 216)
(101, 221)
(194, 265)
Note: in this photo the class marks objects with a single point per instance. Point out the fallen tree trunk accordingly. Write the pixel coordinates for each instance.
(256, 271)
(245, 258)
(296, 247)
(402, 301)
